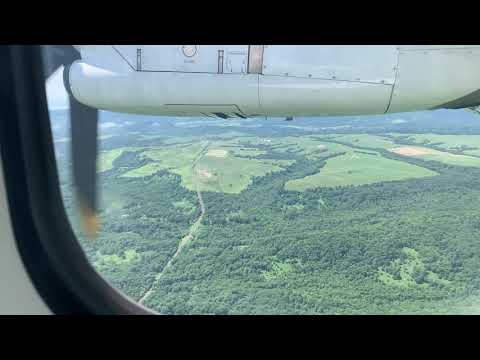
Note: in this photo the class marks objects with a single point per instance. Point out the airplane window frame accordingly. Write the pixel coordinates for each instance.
(53, 257)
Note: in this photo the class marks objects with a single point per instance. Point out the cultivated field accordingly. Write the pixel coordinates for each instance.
(217, 153)
(467, 144)
(308, 146)
(106, 158)
(435, 155)
(358, 169)
(412, 151)
(421, 152)
(229, 164)
(219, 166)
(228, 175)
(363, 140)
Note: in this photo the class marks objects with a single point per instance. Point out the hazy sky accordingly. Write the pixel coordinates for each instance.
(57, 96)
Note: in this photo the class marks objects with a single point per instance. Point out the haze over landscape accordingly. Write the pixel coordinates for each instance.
(349, 215)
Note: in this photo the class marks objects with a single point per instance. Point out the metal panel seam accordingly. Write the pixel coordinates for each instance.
(394, 81)
(119, 53)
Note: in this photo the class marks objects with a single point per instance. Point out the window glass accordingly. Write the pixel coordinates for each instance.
(374, 214)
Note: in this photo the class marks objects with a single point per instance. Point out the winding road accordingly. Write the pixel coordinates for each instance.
(185, 240)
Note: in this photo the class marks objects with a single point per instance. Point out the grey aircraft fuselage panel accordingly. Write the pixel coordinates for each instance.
(273, 80)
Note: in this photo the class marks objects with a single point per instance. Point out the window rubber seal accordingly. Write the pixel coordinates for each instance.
(50, 251)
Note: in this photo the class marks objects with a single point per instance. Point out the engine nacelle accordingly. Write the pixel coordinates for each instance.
(274, 80)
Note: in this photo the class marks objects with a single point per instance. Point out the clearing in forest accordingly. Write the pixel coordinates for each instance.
(311, 147)
(412, 151)
(217, 165)
(467, 144)
(217, 153)
(230, 175)
(203, 173)
(441, 156)
(448, 142)
(106, 158)
(363, 140)
(358, 169)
